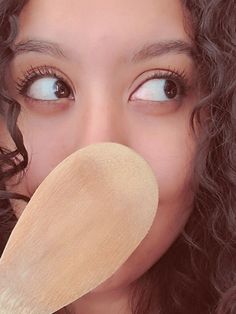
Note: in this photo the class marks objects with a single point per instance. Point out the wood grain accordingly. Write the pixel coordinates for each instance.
(82, 223)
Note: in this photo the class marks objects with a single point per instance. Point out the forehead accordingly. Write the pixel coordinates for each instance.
(99, 20)
(102, 34)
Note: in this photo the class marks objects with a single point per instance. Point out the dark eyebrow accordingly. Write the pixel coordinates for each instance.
(147, 51)
(163, 47)
(44, 47)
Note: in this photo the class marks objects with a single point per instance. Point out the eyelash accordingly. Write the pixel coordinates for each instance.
(179, 77)
(35, 73)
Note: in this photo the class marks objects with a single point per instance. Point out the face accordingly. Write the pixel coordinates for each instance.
(110, 71)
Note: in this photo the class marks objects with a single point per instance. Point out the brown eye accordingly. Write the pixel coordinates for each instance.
(49, 89)
(171, 89)
(62, 90)
(158, 89)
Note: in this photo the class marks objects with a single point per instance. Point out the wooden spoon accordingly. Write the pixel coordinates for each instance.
(81, 225)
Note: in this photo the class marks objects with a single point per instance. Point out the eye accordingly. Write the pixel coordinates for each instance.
(158, 89)
(49, 88)
(44, 84)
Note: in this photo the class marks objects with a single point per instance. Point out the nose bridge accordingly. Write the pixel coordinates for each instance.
(102, 122)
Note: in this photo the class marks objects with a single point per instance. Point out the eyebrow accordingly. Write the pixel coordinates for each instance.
(41, 46)
(146, 52)
(162, 48)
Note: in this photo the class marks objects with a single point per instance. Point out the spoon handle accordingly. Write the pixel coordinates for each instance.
(11, 301)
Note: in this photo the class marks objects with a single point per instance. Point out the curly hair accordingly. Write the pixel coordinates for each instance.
(10, 163)
(197, 275)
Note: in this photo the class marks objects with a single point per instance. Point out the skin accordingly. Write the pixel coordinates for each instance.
(98, 38)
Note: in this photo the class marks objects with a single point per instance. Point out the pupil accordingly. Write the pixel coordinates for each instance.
(171, 89)
(62, 91)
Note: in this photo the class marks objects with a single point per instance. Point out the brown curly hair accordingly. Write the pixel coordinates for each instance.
(197, 275)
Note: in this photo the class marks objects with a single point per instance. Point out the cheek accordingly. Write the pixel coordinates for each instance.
(47, 144)
(170, 153)
(42, 163)
(172, 166)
